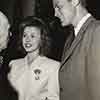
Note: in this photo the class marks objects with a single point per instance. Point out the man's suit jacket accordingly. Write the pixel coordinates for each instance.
(79, 74)
(6, 90)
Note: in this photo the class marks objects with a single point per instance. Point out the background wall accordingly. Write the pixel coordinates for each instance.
(27, 7)
(17, 9)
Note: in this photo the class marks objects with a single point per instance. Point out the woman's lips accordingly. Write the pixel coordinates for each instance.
(28, 45)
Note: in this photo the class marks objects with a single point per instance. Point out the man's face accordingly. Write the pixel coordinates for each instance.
(4, 27)
(65, 10)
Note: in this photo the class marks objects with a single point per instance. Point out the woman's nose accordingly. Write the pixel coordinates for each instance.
(27, 39)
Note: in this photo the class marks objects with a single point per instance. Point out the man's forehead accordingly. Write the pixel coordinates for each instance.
(58, 2)
(3, 20)
(4, 25)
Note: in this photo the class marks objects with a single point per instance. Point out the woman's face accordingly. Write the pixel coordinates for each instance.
(31, 38)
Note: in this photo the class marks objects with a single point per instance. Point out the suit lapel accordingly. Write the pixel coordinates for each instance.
(68, 43)
(77, 40)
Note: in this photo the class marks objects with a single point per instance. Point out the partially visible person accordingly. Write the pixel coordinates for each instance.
(4, 29)
(6, 91)
(57, 32)
(79, 74)
(34, 77)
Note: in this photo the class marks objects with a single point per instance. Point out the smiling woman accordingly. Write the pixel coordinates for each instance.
(33, 29)
(38, 72)
(31, 39)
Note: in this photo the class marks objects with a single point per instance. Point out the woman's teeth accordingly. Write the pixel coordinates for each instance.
(28, 45)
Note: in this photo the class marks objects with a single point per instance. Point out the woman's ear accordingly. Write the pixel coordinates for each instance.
(75, 2)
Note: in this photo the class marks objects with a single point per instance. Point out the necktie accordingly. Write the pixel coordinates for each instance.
(68, 42)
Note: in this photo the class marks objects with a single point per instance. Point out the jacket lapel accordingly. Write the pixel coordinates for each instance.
(68, 43)
(77, 40)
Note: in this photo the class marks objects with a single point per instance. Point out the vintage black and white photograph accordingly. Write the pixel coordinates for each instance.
(49, 50)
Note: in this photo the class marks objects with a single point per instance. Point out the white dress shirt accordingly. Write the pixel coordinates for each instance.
(82, 21)
(36, 82)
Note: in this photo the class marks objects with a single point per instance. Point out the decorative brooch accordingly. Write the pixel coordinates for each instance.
(37, 74)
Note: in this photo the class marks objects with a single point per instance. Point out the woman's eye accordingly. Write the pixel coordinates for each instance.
(32, 36)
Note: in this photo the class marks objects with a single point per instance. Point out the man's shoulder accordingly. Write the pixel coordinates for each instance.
(95, 25)
(92, 24)
(95, 21)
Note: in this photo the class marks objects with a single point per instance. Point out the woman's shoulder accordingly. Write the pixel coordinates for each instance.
(16, 62)
(17, 65)
(50, 62)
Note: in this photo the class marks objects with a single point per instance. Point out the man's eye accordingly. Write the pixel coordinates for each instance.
(24, 35)
(59, 6)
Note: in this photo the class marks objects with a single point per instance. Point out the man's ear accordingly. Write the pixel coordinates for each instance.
(75, 2)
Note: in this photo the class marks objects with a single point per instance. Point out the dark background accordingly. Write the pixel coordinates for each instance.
(17, 9)
(20, 8)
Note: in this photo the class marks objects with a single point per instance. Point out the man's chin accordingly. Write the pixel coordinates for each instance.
(64, 24)
(2, 47)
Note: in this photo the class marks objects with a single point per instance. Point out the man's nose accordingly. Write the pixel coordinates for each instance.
(57, 12)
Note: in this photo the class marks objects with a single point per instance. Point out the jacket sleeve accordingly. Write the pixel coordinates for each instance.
(93, 66)
(53, 85)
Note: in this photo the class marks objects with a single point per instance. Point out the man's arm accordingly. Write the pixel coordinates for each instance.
(93, 66)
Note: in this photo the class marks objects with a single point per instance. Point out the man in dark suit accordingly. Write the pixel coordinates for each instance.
(6, 91)
(79, 74)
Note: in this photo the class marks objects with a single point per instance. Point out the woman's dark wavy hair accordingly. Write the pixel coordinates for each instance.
(32, 21)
